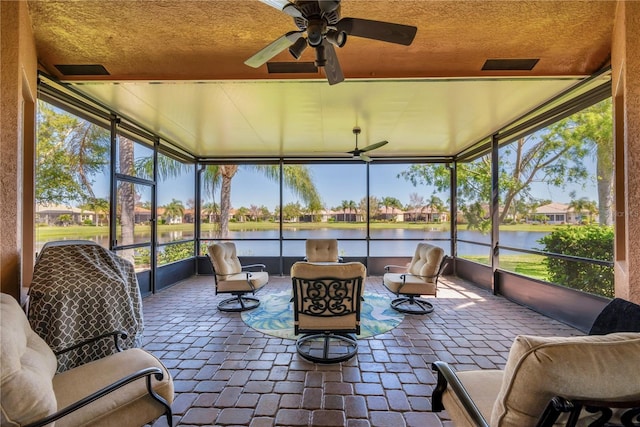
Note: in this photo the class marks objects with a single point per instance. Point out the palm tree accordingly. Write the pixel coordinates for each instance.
(297, 178)
(210, 210)
(174, 209)
(390, 202)
(583, 204)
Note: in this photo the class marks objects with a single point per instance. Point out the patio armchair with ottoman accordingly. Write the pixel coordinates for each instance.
(233, 278)
(130, 388)
(548, 381)
(418, 279)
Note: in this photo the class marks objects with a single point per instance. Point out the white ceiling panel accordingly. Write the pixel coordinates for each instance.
(430, 117)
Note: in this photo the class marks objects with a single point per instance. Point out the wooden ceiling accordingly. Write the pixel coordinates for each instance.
(195, 42)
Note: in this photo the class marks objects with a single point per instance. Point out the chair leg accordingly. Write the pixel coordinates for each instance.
(412, 305)
(327, 347)
(239, 302)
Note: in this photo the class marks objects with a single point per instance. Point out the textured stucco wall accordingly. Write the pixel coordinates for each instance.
(18, 86)
(626, 90)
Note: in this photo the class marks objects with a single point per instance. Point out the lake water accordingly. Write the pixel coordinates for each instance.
(393, 242)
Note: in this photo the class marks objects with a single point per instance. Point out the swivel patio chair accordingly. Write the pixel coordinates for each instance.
(127, 388)
(322, 250)
(326, 306)
(419, 278)
(230, 277)
(548, 381)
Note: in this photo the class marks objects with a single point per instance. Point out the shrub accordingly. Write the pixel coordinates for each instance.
(590, 241)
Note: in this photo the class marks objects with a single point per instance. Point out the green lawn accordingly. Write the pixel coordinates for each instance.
(525, 264)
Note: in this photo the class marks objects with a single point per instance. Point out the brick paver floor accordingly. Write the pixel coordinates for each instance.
(226, 373)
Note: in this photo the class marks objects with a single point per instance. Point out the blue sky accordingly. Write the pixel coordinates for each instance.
(335, 183)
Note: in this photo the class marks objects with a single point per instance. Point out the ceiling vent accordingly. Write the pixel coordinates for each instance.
(510, 64)
(82, 70)
(291, 67)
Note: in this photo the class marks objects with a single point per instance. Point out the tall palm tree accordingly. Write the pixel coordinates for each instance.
(351, 205)
(173, 209)
(295, 177)
(210, 210)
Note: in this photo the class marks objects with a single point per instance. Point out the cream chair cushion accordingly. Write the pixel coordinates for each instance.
(483, 387)
(30, 390)
(28, 366)
(539, 368)
(306, 270)
(425, 262)
(321, 250)
(228, 269)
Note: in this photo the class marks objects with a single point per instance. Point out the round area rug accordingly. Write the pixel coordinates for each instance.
(274, 316)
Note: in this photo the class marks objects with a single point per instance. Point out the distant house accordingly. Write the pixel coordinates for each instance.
(390, 214)
(425, 214)
(557, 213)
(58, 214)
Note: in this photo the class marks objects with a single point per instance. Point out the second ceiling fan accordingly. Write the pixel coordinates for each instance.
(321, 27)
(357, 153)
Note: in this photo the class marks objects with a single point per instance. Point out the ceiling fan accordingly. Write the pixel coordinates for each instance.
(324, 28)
(357, 152)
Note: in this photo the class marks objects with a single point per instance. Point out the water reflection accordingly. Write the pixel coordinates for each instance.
(392, 242)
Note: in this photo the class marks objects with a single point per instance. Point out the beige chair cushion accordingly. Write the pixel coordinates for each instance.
(27, 366)
(539, 368)
(347, 270)
(240, 282)
(230, 277)
(426, 261)
(483, 387)
(409, 284)
(322, 250)
(30, 389)
(133, 403)
(224, 258)
(420, 281)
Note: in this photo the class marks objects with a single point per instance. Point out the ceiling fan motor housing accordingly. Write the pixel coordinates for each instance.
(311, 10)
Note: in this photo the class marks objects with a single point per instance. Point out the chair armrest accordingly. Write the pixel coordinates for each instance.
(115, 334)
(448, 378)
(147, 372)
(390, 267)
(559, 405)
(261, 266)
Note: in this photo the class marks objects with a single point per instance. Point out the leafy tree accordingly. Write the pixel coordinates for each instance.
(296, 177)
(68, 152)
(314, 207)
(254, 212)
(65, 219)
(291, 211)
(374, 206)
(241, 213)
(100, 207)
(594, 126)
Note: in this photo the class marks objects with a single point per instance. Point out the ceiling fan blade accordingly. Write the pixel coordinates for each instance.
(374, 146)
(273, 49)
(378, 30)
(285, 6)
(365, 158)
(332, 68)
(328, 6)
